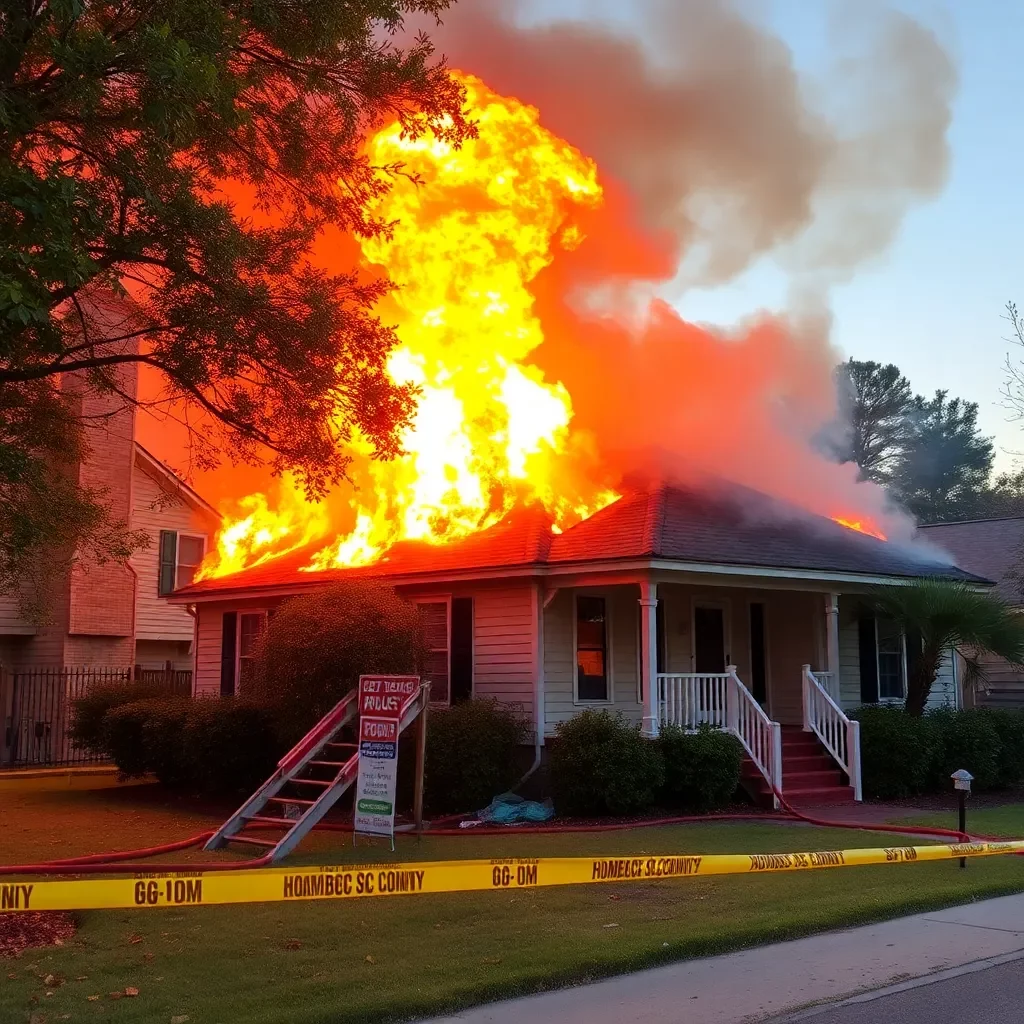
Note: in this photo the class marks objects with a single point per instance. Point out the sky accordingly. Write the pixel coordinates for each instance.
(934, 303)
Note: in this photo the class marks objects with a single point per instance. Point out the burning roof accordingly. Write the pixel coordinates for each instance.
(723, 526)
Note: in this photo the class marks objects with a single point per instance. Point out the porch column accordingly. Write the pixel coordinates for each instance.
(832, 636)
(649, 655)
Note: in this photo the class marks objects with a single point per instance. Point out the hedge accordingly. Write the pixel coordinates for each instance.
(88, 711)
(600, 764)
(702, 769)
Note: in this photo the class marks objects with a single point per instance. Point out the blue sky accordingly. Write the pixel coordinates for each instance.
(933, 303)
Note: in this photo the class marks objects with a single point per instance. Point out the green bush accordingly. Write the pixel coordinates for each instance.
(472, 755)
(88, 711)
(702, 769)
(897, 751)
(122, 735)
(163, 733)
(223, 747)
(966, 739)
(230, 745)
(600, 764)
(316, 646)
(1010, 727)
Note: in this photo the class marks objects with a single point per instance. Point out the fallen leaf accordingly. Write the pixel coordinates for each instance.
(116, 995)
(180, 1019)
(82, 977)
(149, 956)
(369, 959)
(48, 993)
(134, 939)
(12, 976)
(92, 999)
(53, 980)
(293, 944)
(130, 991)
(609, 926)
(615, 898)
(491, 960)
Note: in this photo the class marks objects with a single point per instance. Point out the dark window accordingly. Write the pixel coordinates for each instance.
(250, 628)
(228, 641)
(168, 561)
(462, 649)
(708, 639)
(868, 660)
(890, 660)
(591, 649)
(435, 632)
(758, 674)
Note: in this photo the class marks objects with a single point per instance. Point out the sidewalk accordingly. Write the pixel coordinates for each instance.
(756, 984)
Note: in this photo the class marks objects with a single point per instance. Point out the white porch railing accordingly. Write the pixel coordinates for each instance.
(720, 700)
(839, 734)
(830, 683)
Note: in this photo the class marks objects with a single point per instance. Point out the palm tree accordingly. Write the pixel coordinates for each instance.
(944, 616)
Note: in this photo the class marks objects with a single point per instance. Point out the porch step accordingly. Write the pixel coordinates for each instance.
(809, 775)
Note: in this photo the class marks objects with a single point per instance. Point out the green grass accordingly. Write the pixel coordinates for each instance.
(375, 960)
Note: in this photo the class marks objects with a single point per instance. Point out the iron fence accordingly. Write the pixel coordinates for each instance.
(36, 708)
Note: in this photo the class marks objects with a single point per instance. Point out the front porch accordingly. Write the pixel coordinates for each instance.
(740, 659)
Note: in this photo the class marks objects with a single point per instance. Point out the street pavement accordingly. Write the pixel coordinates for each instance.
(770, 982)
(961, 996)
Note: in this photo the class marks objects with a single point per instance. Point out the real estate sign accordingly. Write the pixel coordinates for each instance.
(381, 701)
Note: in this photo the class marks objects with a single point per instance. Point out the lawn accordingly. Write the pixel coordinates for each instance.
(321, 962)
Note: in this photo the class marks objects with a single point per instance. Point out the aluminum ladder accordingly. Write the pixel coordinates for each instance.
(308, 782)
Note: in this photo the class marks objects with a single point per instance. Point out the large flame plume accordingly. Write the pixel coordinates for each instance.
(472, 228)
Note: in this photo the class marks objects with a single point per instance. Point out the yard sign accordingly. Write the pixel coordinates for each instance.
(381, 700)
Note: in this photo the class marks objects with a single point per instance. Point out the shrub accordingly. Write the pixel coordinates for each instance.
(966, 739)
(122, 735)
(316, 647)
(230, 745)
(600, 764)
(1010, 727)
(472, 755)
(88, 711)
(702, 769)
(163, 732)
(897, 751)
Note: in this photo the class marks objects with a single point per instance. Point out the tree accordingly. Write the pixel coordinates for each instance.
(947, 463)
(876, 402)
(945, 616)
(186, 156)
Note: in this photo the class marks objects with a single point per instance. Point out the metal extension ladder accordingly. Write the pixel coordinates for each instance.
(309, 780)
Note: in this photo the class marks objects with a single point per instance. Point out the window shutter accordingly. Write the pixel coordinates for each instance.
(868, 661)
(229, 634)
(913, 642)
(462, 649)
(168, 561)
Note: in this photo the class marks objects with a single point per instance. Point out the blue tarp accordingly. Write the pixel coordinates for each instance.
(509, 809)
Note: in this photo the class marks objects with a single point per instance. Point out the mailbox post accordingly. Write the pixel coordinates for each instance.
(962, 785)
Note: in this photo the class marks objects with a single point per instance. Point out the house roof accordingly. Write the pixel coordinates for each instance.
(170, 480)
(729, 527)
(989, 547)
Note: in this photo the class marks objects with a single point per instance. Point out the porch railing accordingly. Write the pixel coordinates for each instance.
(721, 701)
(830, 683)
(838, 733)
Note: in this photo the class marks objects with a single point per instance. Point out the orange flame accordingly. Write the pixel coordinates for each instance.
(489, 430)
(861, 526)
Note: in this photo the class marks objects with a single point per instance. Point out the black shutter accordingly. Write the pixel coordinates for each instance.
(913, 642)
(868, 661)
(462, 649)
(228, 647)
(168, 561)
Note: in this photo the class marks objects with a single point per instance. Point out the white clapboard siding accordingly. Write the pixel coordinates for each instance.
(206, 682)
(503, 646)
(155, 509)
(943, 692)
(560, 658)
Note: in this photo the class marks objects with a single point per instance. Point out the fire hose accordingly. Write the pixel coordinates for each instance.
(133, 860)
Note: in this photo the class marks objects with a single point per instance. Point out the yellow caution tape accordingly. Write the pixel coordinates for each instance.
(262, 885)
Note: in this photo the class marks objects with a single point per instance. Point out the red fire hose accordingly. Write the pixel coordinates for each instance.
(130, 860)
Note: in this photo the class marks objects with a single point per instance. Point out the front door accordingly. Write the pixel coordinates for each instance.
(709, 639)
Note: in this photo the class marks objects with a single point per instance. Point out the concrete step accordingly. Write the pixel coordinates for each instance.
(812, 796)
(804, 780)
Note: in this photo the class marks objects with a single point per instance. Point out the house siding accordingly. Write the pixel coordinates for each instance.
(504, 646)
(154, 509)
(943, 692)
(560, 658)
(11, 621)
(206, 680)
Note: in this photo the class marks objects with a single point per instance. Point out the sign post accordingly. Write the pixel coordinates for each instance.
(382, 699)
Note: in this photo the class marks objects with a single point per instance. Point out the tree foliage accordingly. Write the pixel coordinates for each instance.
(949, 615)
(877, 401)
(187, 156)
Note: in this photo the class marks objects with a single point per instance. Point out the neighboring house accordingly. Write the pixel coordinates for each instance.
(118, 615)
(669, 606)
(993, 548)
